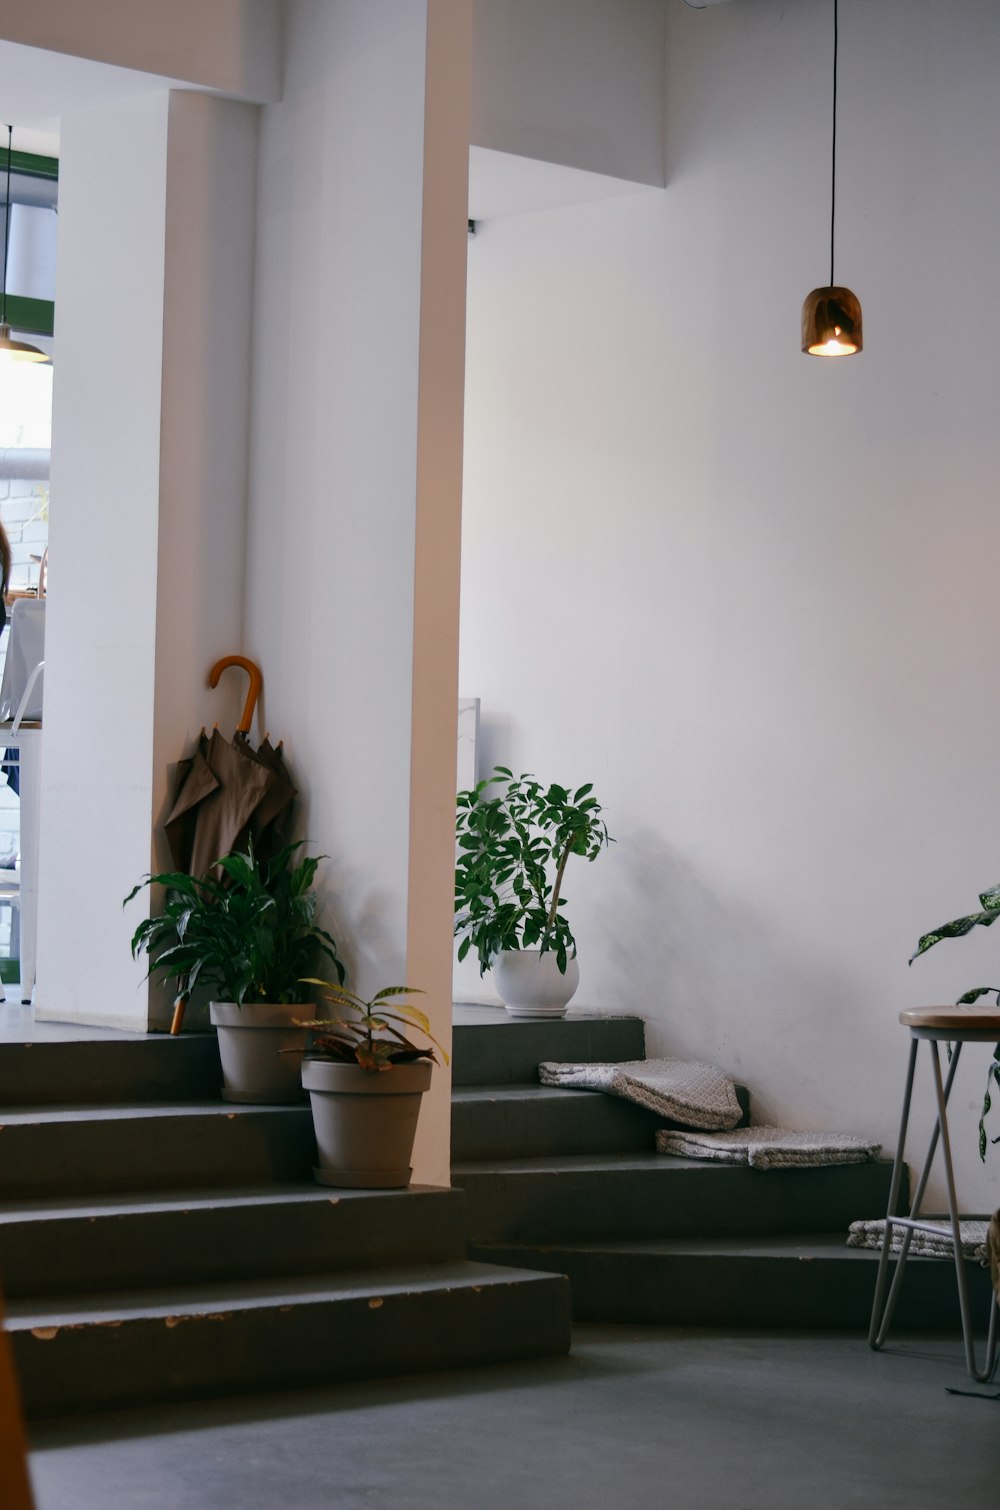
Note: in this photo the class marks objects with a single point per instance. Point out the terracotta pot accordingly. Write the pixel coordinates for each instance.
(365, 1121)
(530, 984)
(250, 1039)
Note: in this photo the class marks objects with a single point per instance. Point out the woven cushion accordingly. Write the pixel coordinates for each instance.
(769, 1147)
(937, 1244)
(696, 1095)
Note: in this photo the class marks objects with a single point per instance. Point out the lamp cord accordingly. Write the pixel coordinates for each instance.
(6, 233)
(833, 164)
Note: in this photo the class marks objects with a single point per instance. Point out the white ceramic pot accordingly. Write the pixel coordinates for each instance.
(250, 1042)
(365, 1121)
(530, 984)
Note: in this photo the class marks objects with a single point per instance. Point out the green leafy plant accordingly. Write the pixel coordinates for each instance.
(370, 1036)
(246, 929)
(513, 849)
(989, 911)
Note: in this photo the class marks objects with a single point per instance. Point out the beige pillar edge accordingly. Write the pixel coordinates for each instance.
(437, 562)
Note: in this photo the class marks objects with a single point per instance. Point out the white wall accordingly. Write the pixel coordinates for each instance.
(749, 594)
(352, 602)
(100, 630)
(576, 82)
(204, 431)
(154, 291)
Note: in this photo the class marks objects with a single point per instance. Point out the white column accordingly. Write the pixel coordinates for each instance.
(438, 553)
(154, 288)
(356, 474)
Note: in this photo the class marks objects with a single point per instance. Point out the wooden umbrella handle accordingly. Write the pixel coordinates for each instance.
(177, 1021)
(256, 683)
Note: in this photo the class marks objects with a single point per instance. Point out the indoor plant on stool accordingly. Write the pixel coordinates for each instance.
(247, 930)
(365, 1080)
(513, 851)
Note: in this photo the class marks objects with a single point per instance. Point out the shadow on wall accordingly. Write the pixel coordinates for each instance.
(498, 735)
(715, 982)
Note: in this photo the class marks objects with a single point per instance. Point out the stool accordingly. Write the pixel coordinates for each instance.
(956, 1025)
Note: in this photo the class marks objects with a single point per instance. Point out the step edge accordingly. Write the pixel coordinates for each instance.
(209, 1200)
(397, 1281)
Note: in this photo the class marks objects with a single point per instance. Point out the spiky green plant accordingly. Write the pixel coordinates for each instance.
(246, 929)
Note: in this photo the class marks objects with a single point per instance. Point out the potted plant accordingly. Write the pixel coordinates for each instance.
(513, 849)
(247, 930)
(365, 1080)
(989, 911)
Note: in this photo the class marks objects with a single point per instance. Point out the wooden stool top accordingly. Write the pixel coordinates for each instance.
(969, 1019)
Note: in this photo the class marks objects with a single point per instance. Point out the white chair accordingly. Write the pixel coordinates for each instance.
(25, 648)
(10, 897)
(23, 742)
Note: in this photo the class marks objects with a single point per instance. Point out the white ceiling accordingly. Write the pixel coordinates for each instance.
(38, 87)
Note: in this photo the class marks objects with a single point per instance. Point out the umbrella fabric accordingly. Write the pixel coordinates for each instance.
(215, 798)
(269, 819)
(193, 782)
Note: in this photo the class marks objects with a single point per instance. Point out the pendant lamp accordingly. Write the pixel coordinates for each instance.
(831, 316)
(11, 350)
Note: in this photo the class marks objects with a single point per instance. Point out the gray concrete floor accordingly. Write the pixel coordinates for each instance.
(651, 1418)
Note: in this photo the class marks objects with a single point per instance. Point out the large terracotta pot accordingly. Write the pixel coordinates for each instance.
(365, 1121)
(530, 984)
(250, 1042)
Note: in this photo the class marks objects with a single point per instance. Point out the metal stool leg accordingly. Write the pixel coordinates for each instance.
(876, 1335)
(963, 1289)
(881, 1320)
(883, 1308)
(991, 1339)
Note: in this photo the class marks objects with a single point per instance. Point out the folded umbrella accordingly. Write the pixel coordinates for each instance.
(227, 794)
(217, 797)
(268, 822)
(193, 782)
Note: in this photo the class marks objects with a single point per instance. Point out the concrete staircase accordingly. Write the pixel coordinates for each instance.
(567, 1181)
(159, 1244)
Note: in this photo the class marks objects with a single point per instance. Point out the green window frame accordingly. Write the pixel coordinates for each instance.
(32, 316)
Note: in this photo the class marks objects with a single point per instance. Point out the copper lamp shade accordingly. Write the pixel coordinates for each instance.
(831, 322)
(18, 351)
(831, 315)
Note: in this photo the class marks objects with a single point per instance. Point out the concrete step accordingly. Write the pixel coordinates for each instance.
(93, 1353)
(525, 1121)
(490, 1048)
(583, 1197)
(80, 1150)
(518, 1121)
(126, 1067)
(811, 1281)
(59, 1246)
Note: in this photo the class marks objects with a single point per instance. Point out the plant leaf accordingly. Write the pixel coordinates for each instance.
(955, 929)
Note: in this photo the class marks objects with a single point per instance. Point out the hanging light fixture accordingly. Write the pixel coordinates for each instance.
(13, 351)
(831, 316)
